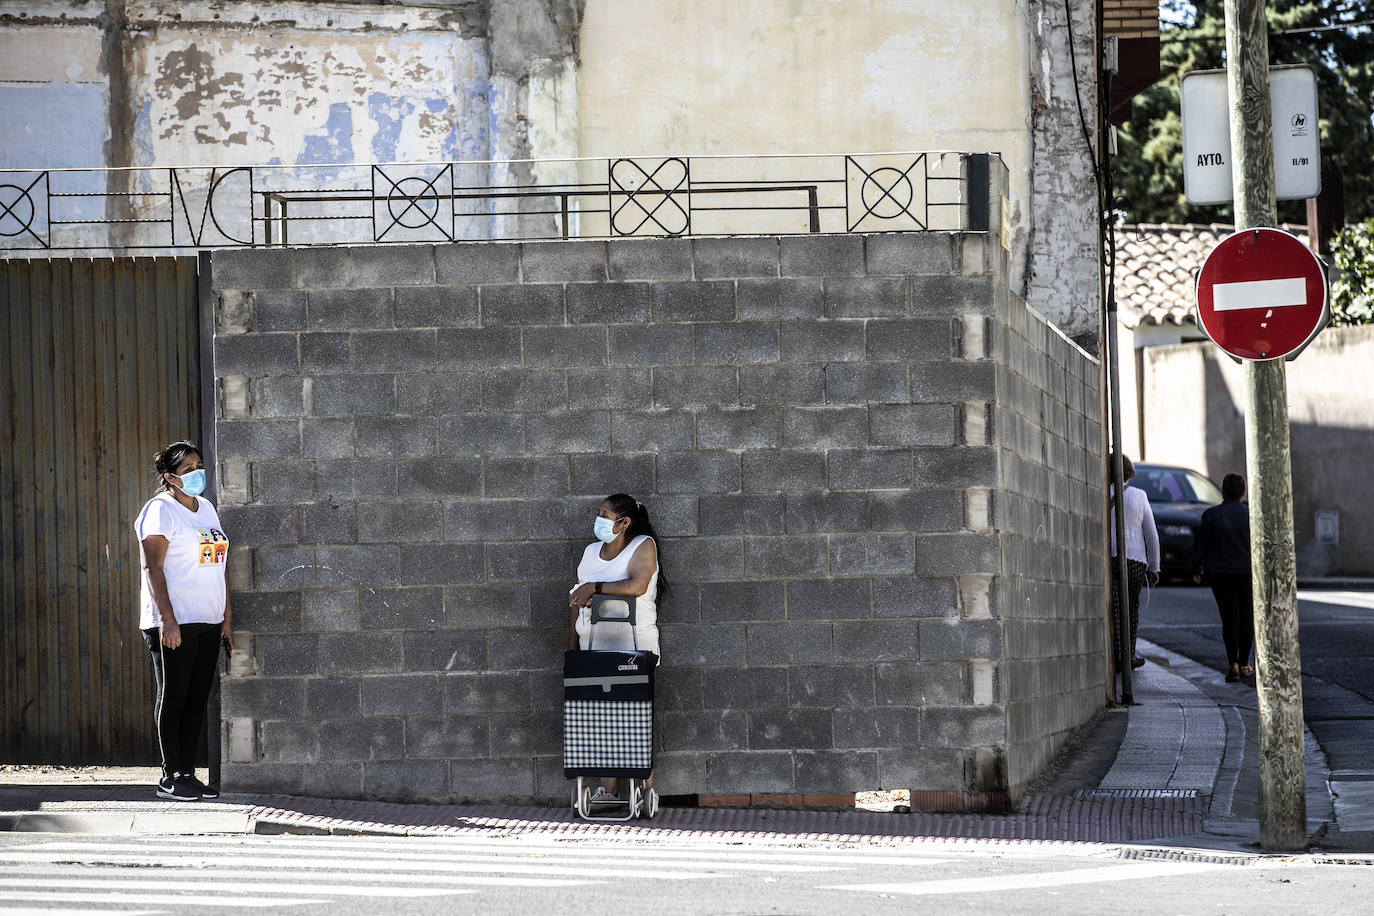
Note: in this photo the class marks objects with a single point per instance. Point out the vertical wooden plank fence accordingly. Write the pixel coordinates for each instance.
(99, 366)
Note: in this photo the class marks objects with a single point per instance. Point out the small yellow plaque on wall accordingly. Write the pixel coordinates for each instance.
(1006, 224)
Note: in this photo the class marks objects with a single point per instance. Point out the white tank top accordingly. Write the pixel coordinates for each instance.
(611, 635)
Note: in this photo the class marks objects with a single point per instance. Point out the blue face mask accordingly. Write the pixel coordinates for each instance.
(193, 482)
(603, 529)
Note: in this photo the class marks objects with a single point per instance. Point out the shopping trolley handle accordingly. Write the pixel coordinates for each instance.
(598, 601)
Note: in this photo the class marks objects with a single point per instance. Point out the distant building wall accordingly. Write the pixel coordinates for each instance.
(1194, 416)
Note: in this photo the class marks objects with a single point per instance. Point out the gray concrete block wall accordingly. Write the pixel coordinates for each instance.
(411, 444)
(1050, 596)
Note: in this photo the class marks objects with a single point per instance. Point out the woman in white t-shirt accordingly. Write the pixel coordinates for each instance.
(185, 611)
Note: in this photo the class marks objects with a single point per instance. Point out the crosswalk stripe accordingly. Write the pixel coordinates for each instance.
(233, 887)
(179, 900)
(343, 876)
(46, 911)
(985, 885)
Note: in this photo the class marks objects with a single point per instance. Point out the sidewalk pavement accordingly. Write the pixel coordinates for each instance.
(1176, 770)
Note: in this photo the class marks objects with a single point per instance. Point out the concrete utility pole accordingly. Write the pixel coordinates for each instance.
(1282, 777)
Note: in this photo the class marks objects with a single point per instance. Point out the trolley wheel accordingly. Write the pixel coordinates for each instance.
(584, 799)
(650, 803)
(636, 798)
(575, 799)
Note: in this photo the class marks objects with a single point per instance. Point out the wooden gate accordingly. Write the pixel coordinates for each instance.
(99, 367)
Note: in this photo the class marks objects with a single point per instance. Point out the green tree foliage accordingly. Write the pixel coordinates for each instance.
(1149, 162)
(1352, 295)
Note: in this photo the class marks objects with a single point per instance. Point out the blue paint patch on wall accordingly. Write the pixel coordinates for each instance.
(52, 126)
(389, 115)
(334, 142)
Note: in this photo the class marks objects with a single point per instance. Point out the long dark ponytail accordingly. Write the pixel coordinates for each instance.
(626, 505)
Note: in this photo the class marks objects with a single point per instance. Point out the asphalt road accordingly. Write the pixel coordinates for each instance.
(505, 876)
(1336, 638)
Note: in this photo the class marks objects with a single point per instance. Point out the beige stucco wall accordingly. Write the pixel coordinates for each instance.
(1194, 397)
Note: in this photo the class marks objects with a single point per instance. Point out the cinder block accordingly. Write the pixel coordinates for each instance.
(694, 301)
(264, 697)
(830, 686)
(956, 468)
(530, 736)
(697, 472)
(394, 351)
(933, 510)
(531, 647)
(826, 512)
(233, 397)
(325, 610)
(393, 265)
(368, 565)
(822, 341)
(781, 384)
(438, 393)
(268, 777)
(352, 395)
(447, 736)
(649, 259)
(650, 345)
(271, 481)
(402, 695)
(523, 304)
(501, 779)
(703, 644)
(520, 477)
(257, 268)
(532, 390)
(372, 738)
(617, 389)
(355, 479)
(910, 338)
(952, 295)
(787, 556)
(735, 257)
(865, 297)
(406, 780)
(242, 743)
(484, 520)
(651, 431)
(822, 256)
(260, 439)
(763, 300)
(349, 309)
(961, 639)
(784, 470)
(783, 729)
(564, 346)
(566, 432)
(744, 513)
(723, 602)
(907, 253)
(330, 523)
(875, 640)
(533, 561)
(603, 474)
(869, 469)
(279, 566)
(256, 354)
(913, 424)
(749, 772)
(479, 348)
(736, 343)
(472, 609)
(953, 381)
(485, 693)
(746, 688)
(871, 554)
(963, 726)
(402, 608)
(332, 697)
(705, 730)
(608, 303)
(324, 268)
(477, 262)
(926, 769)
(740, 428)
(958, 554)
(395, 437)
(255, 525)
(322, 438)
(481, 434)
(268, 612)
(866, 383)
(790, 643)
(325, 352)
(696, 386)
(920, 683)
(436, 307)
(400, 522)
(562, 261)
(827, 599)
(892, 726)
(914, 597)
(825, 427)
(360, 653)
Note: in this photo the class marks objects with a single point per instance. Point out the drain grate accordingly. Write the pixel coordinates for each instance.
(1176, 855)
(1329, 860)
(1135, 793)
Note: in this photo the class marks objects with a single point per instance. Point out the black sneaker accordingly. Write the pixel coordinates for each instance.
(195, 784)
(210, 791)
(164, 787)
(177, 789)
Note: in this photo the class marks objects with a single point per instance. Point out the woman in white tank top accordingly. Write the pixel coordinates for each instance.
(623, 560)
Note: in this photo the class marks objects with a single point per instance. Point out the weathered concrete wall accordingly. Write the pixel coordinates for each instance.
(1194, 416)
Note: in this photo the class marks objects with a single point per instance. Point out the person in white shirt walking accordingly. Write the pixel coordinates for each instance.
(1142, 556)
(184, 610)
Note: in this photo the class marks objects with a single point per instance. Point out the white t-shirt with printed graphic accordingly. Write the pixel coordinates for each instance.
(197, 553)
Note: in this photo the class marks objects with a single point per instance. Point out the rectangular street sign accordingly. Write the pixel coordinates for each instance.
(1207, 134)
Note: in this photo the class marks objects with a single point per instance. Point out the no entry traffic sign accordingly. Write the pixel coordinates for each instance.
(1261, 294)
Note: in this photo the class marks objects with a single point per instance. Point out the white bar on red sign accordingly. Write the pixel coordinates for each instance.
(1259, 294)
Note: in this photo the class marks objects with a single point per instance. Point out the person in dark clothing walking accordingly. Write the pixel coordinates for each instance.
(1221, 558)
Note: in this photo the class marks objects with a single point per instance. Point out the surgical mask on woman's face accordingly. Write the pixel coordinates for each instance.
(193, 482)
(604, 529)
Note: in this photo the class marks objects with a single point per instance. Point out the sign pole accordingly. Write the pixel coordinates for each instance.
(1282, 776)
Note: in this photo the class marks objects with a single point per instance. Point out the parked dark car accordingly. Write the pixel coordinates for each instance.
(1178, 497)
